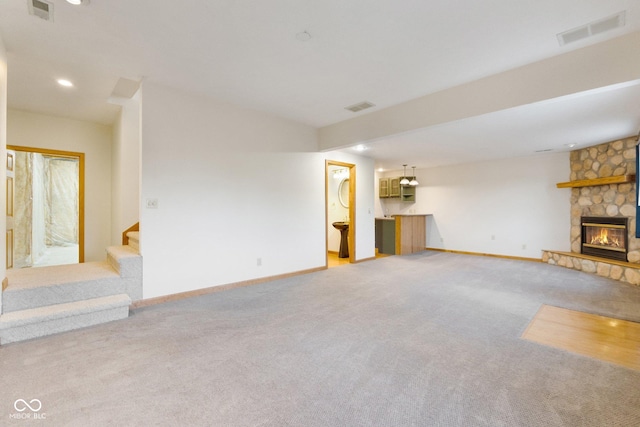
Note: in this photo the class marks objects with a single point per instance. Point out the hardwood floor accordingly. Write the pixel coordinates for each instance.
(605, 338)
(335, 261)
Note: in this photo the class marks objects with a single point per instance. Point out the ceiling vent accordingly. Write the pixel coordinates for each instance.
(592, 28)
(41, 9)
(360, 106)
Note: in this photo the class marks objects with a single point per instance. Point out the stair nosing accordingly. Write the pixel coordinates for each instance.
(59, 311)
(103, 270)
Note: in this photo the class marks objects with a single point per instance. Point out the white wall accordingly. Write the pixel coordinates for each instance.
(3, 155)
(125, 169)
(232, 185)
(42, 131)
(515, 201)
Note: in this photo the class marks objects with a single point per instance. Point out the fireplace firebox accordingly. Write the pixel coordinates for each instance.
(605, 237)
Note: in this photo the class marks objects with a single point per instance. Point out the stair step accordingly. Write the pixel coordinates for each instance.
(125, 260)
(37, 322)
(134, 240)
(38, 287)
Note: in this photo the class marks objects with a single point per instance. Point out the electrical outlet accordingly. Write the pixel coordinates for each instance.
(152, 203)
(524, 246)
(493, 237)
(259, 262)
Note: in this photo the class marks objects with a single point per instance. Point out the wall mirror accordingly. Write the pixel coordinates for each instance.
(343, 192)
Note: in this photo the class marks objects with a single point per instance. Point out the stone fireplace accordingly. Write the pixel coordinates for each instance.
(603, 193)
(604, 237)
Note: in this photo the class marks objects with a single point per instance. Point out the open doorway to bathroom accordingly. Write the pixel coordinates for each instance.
(48, 205)
(340, 189)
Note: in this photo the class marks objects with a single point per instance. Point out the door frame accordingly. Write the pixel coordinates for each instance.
(71, 155)
(352, 208)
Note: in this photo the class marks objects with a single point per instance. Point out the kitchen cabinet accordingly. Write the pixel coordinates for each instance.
(402, 234)
(383, 188)
(394, 187)
(391, 188)
(386, 235)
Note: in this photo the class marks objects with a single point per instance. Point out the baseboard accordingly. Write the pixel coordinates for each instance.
(214, 289)
(363, 260)
(517, 258)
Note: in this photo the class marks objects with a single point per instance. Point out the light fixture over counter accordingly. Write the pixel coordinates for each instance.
(404, 180)
(413, 181)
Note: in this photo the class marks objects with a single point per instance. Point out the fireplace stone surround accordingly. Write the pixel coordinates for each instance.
(612, 159)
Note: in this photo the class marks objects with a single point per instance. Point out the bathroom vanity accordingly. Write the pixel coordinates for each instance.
(401, 234)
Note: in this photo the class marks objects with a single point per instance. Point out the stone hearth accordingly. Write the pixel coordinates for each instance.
(613, 159)
(616, 270)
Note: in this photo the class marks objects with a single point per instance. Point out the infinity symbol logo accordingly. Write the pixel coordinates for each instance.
(21, 403)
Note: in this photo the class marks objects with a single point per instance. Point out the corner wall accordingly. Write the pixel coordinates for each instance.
(234, 188)
(125, 169)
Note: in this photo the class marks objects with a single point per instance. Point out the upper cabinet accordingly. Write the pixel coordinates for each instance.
(383, 188)
(394, 187)
(390, 187)
(408, 193)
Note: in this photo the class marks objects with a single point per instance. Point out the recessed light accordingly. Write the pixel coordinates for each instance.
(571, 145)
(360, 147)
(77, 2)
(65, 83)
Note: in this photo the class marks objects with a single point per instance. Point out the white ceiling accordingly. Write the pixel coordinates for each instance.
(383, 51)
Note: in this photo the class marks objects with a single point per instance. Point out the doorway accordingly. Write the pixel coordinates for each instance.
(340, 192)
(48, 206)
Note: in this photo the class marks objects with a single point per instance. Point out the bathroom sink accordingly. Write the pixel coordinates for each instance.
(344, 238)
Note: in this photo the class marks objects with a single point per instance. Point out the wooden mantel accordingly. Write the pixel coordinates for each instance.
(621, 179)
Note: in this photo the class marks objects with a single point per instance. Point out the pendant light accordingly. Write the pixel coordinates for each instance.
(413, 182)
(404, 180)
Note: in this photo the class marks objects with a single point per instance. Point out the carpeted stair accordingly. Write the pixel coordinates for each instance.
(134, 239)
(47, 300)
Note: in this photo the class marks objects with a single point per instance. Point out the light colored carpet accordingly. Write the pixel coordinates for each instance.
(430, 339)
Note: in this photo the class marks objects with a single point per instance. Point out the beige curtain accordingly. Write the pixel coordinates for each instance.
(46, 205)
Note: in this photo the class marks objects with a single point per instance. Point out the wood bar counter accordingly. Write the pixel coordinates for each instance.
(401, 234)
(411, 233)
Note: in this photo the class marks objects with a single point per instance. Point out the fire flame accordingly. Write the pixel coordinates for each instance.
(603, 239)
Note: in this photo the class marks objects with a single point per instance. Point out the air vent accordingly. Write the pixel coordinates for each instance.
(360, 106)
(592, 28)
(41, 9)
